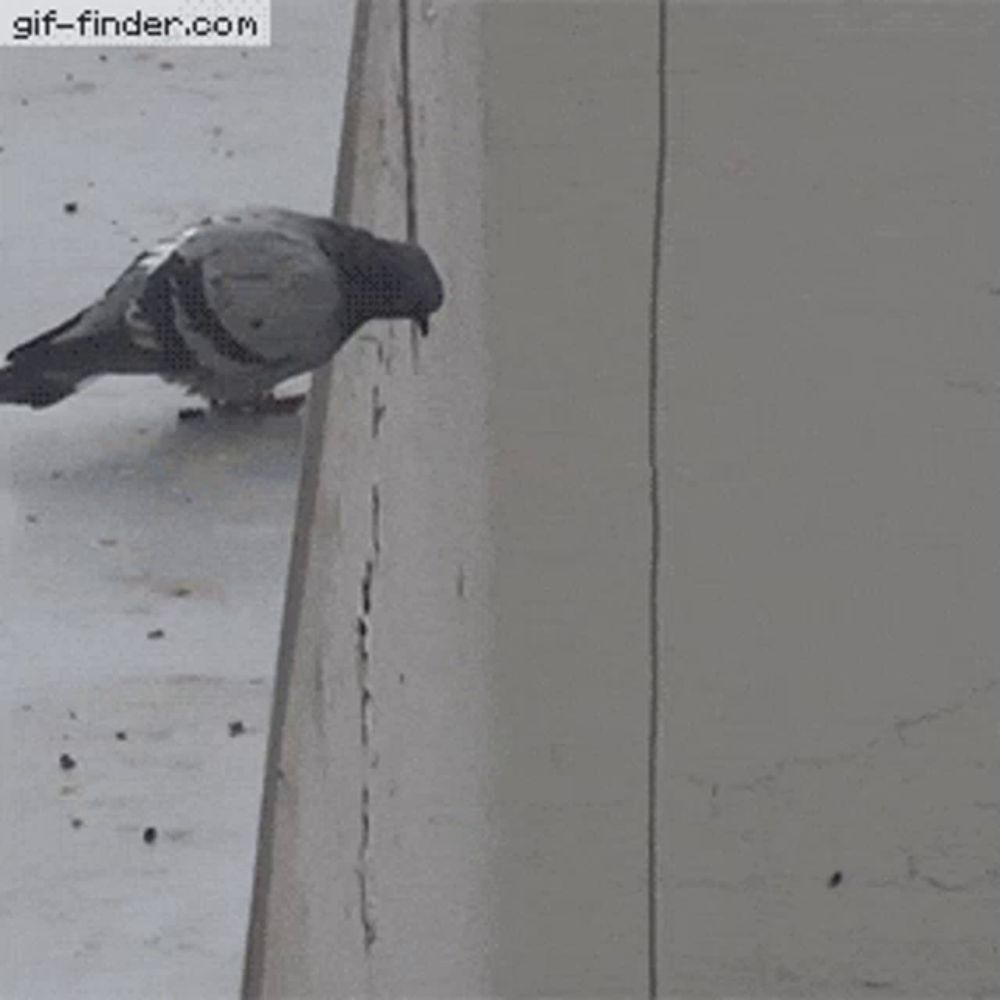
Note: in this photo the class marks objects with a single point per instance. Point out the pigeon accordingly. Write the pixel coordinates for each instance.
(229, 308)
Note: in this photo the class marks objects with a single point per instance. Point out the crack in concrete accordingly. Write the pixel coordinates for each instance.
(378, 412)
(902, 725)
(362, 869)
(376, 526)
(899, 728)
(366, 715)
(914, 873)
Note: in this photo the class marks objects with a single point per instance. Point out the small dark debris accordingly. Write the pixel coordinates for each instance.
(102, 57)
(72, 715)
(166, 64)
(256, 323)
(32, 518)
(25, 708)
(67, 761)
(835, 879)
(69, 76)
(156, 633)
(236, 728)
(71, 207)
(121, 736)
(107, 543)
(24, 102)
(149, 835)
(191, 413)
(76, 822)
(57, 474)
(402, 678)
(181, 592)
(229, 154)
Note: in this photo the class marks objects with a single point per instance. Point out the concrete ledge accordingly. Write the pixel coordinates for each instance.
(457, 801)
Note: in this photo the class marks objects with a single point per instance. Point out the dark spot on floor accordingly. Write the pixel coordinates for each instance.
(121, 736)
(32, 518)
(181, 592)
(76, 822)
(236, 728)
(72, 715)
(102, 57)
(191, 413)
(67, 762)
(256, 323)
(835, 879)
(166, 64)
(71, 207)
(156, 633)
(149, 835)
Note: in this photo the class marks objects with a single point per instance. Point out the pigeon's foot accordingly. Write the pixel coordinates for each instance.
(266, 406)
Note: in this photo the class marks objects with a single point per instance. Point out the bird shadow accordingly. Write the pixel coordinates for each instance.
(145, 464)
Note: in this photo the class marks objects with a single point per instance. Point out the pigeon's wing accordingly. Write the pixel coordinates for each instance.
(248, 295)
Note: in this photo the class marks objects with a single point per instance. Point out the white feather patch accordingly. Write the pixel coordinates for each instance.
(153, 258)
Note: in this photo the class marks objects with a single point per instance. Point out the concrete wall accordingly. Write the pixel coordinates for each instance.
(459, 801)
(831, 466)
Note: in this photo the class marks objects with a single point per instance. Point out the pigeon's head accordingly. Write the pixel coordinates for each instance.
(389, 280)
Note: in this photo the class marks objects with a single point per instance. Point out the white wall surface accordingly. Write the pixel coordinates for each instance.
(109, 510)
(830, 452)
(458, 803)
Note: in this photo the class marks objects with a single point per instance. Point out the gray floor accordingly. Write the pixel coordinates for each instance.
(117, 523)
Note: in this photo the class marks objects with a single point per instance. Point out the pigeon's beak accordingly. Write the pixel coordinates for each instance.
(423, 325)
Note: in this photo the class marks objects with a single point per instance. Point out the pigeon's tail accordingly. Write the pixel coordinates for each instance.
(51, 366)
(34, 375)
(29, 386)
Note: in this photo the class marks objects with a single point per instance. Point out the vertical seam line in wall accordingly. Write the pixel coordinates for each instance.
(406, 97)
(652, 443)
